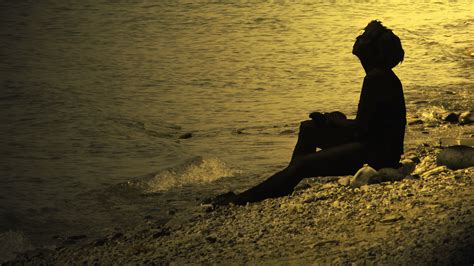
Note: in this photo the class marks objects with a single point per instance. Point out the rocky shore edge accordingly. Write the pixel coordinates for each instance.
(426, 218)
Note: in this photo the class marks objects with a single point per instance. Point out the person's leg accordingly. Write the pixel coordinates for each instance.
(344, 159)
(319, 135)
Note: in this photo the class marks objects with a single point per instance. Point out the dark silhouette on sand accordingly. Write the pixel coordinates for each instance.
(374, 137)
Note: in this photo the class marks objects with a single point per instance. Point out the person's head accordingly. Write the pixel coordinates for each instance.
(378, 47)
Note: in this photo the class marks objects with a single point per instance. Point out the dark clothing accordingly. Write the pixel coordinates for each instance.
(375, 137)
(381, 118)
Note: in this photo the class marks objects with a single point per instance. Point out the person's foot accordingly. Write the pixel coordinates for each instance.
(224, 199)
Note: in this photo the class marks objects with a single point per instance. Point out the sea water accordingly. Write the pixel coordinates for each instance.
(96, 94)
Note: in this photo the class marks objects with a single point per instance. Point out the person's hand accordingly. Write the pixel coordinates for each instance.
(318, 118)
(335, 118)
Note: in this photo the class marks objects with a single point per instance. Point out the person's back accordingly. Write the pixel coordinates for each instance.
(381, 118)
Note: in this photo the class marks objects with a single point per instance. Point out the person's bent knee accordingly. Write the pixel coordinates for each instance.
(307, 125)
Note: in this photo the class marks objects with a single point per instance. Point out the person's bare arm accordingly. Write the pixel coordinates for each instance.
(336, 118)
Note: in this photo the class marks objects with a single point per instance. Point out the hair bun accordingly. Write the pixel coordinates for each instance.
(379, 44)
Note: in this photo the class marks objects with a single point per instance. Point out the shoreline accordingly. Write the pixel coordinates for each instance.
(423, 219)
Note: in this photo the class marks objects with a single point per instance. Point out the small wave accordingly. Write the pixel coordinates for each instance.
(195, 171)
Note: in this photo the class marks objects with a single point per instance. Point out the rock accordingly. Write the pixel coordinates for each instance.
(161, 232)
(452, 118)
(434, 171)
(315, 198)
(408, 165)
(211, 239)
(325, 242)
(466, 118)
(411, 156)
(456, 157)
(365, 175)
(391, 218)
(344, 181)
(415, 122)
(302, 186)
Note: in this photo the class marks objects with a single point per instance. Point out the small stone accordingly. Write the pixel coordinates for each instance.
(366, 175)
(415, 122)
(302, 186)
(466, 118)
(344, 181)
(211, 239)
(391, 218)
(452, 118)
(161, 232)
(328, 186)
(456, 157)
(325, 242)
(434, 171)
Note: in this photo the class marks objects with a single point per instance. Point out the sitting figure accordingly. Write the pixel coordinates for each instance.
(374, 137)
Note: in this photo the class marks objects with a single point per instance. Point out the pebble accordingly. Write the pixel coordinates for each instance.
(392, 218)
(211, 239)
(452, 118)
(415, 122)
(466, 118)
(344, 181)
(366, 175)
(456, 157)
(161, 232)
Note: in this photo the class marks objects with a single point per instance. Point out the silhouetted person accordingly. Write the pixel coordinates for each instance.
(375, 136)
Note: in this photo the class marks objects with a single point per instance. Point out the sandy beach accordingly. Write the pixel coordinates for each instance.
(425, 219)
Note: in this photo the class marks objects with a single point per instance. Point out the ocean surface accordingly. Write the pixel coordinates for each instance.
(96, 94)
